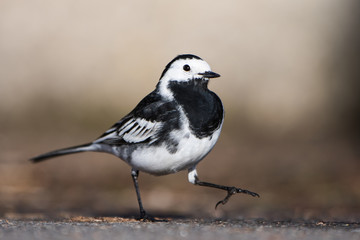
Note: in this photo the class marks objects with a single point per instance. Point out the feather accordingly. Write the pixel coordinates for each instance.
(134, 130)
(57, 153)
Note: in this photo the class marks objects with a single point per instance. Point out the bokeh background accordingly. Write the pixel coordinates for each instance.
(290, 86)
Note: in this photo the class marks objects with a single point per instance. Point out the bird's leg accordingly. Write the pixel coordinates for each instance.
(230, 190)
(193, 178)
(143, 214)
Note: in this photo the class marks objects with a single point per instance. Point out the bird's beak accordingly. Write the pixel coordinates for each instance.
(209, 74)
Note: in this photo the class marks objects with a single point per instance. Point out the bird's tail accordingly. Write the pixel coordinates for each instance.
(80, 148)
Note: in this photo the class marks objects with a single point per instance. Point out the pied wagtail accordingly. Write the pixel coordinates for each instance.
(172, 129)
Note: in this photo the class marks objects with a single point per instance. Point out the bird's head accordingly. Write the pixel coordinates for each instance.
(186, 68)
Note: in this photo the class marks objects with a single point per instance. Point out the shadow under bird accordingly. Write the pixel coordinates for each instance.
(172, 129)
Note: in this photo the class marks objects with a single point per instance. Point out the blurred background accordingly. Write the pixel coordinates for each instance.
(289, 83)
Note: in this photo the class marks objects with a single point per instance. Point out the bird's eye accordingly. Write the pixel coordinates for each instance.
(186, 67)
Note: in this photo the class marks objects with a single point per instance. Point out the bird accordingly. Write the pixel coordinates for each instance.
(171, 129)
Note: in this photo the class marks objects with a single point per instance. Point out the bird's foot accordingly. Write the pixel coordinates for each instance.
(233, 190)
(144, 217)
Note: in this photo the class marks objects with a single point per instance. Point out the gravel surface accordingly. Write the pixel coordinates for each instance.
(127, 228)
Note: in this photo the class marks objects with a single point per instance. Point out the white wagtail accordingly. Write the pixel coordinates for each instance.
(171, 129)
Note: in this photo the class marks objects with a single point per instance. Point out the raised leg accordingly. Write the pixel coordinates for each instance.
(143, 214)
(193, 178)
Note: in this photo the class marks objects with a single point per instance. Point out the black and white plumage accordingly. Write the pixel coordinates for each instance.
(172, 129)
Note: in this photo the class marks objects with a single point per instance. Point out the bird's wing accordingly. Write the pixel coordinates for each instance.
(132, 130)
(144, 124)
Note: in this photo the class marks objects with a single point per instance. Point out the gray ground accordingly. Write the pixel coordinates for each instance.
(128, 228)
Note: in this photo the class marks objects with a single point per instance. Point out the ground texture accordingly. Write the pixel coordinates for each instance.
(129, 228)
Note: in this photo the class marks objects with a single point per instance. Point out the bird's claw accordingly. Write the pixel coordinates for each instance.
(233, 190)
(144, 217)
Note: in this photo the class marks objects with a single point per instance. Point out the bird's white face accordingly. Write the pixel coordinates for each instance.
(186, 69)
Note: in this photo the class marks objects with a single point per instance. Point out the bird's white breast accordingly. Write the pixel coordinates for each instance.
(158, 160)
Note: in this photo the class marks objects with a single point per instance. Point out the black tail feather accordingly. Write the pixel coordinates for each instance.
(64, 151)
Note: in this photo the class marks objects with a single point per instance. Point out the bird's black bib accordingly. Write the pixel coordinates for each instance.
(202, 106)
